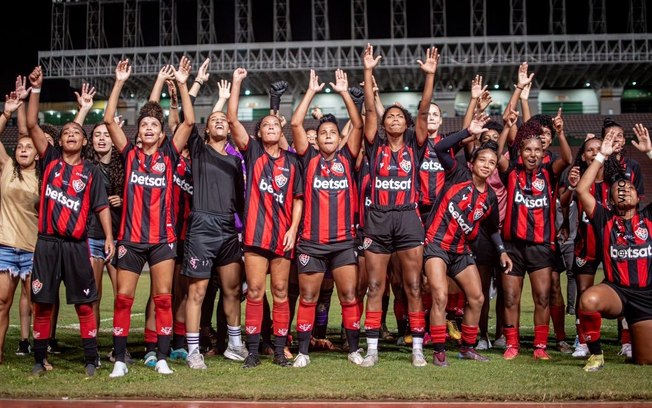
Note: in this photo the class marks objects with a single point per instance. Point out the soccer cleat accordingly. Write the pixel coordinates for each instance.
(287, 353)
(119, 370)
(38, 370)
(162, 367)
(510, 353)
(23, 348)
(577, 342)
(251, 361)
(595, 363)
(582, 350)
(355, 357)
(418, 359)
(401, 341)
(564, 347)
(150, 359)
(90, 370)
(195, 360)
(483, 344)
(626, 350)
(407, 339)
(370, 360)
(179, 354)
(570, 310)
(469, 353)
(439, 359)
(500, 343)
(281, 361)
(236, 353)
(540, 354)
(453, 332)
(385, 334)
(301, 360)
(53, 346)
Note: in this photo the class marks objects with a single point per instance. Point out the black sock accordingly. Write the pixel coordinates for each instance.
(253, 341)
(163, 346)
(90, 350)
(304, 342)
(353, 337)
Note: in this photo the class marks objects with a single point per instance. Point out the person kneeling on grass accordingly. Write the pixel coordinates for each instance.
(627, 254)
(72, 187)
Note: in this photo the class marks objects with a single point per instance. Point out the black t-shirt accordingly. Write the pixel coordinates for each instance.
(95, 230)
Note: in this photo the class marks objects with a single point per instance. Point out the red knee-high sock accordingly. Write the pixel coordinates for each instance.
(163, 310)
(372, 320)
(351, 315)
(461, 304)
(305, 316)
(541, 336)
(557, 313)
(417, 323)
(590, 322)
(253, 316)
(438, 334)
(451, 304)
(511, 336)
(469, 335)
(625, 336)
(179, 328)
(281, 318)
(150, 336)
(87, 324)
(122, 315)
(42, 320)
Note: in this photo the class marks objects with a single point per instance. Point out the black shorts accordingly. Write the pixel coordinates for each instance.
(582, 267)
(484, 250)
(637, 302)
(528, 257)
(564, 257)
(180, 247)
(359, 242)
(131, 256)
(424, 212)
(56, 260)
(212, 240)
(393, 230)
(456, 262)
(316, 258)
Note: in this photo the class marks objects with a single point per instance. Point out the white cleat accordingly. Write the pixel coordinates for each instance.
(162, 367)
(356, 357)
(119, 370)
(301, 360)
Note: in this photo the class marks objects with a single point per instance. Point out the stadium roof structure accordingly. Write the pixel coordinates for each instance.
(559, 60)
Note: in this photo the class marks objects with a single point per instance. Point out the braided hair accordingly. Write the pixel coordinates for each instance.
(528, 131)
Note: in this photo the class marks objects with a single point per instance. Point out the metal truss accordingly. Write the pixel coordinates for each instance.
(399, 20)
(93, 24)
(167, 30)
(517, 17)
(282, 31)
(359, 20)
(637, 22)
(59, 28)
(437, 18)
(478, 17)
(244, 32)
(205, 27)
(597, 17)
(130, 30)
(320, 30)
(558, 61)
(557, 20)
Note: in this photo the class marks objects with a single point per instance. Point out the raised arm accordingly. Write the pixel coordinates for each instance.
(565, 158)
(34, 130)
(354, 136)
(118, 137)
(566, 195)
(224, 93)
(480, 99)
(238, 131)
(301, 143)
(455, 141)
(371, 116)
(12, 103)
(21, 113)
(201, 78)
(276, 91)
(525, 106)
(509, 121)
(166, 73)
(173, 117)
(184, 129)
(429, 67)
(583, 190)
(523, 80)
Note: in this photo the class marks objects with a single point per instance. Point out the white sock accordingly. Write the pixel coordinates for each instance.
(193, 341)
(372, 345)
(235, 339)
(417, 343)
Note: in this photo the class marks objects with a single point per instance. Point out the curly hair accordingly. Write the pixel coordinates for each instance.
(545, 121)
(528, 131)
(115, 167)
(328, 118)
(52, 131)
(409, 121)
(151, 109)
(579, 162)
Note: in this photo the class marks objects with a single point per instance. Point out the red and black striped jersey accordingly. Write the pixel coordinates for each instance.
(68, 195)
(394, 181)
(531, 199)
(272, 186)
(626, 246)
(455, 218)
(633, 173)
(329, 197)
(147, 209)
(364, 191)
(182, 190)
(587, 244)
(432, 176)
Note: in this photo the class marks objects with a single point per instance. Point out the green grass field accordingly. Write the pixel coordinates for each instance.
(329, 376)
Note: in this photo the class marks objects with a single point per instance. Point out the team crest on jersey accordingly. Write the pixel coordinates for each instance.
(338, 169)
(304, 259)
(37, 285)
(539, 184)
(122, 251)
(366, 243)
(250, 329)
(477, 214)
(78, 185)
(641, 233)
(580, 261)
(160, 167)
(406, 166)
(280, 180)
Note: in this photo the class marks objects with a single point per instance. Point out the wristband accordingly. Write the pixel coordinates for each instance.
(600, 157)
(520, 87)
(36, 90)
(571, 188)
(7, 116)
(199, 82)
(173, 107)
(649, 154)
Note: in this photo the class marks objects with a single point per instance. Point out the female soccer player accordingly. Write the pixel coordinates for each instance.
(327, 237)
(624, 234)
(271, 221)
(147, 229)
